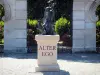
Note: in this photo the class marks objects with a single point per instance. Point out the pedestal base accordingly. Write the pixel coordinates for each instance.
(46, 68)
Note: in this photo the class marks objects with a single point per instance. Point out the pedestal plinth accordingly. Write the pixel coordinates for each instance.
(47, 52)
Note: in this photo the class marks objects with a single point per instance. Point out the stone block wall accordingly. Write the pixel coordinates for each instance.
(15, 30)
(84, 29)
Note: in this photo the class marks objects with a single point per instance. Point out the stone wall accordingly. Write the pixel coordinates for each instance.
(15, 30)
(84, 28)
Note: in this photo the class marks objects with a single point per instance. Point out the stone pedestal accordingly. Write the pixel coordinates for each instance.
(47, 52)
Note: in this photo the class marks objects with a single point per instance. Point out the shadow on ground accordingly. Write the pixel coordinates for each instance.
(80, 57)
(20, 55)
(1, 55)
(61, 72)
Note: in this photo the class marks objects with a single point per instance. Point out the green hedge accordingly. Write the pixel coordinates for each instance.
(62, 25)
(32, 23)
(98, 23)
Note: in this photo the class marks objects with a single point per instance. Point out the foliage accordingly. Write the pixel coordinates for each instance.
(98, 12)
(62, 25)
(36, 8)
(98, 24)
(2, 23)
(1, 41)
(33, 26)
(98, 39)
(2, 12)
(62, 8)
(32, 23)
(1, 32)
(98, 27)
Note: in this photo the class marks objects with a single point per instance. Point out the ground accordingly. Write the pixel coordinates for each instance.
(70, 64)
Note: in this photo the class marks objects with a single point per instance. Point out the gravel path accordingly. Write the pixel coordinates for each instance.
(70, 64)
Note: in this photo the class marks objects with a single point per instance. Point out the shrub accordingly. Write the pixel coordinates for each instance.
(62, 25)
(1, 32)
(2, 23)
(2, 12)
(1, 41)
(32, 23)
(98, 24)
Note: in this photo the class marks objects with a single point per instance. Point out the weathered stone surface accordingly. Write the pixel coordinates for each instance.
(78, 43)
(15, 30)
(78, 6)
(79, 25)
(78, 15)
(78, 34)
(11, 43)
(21, 14)
(83, 19)
(15, 24)
(21, 5)
(47, 52)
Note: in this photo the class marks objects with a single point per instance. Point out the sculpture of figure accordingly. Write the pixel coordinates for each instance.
(48, 19)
